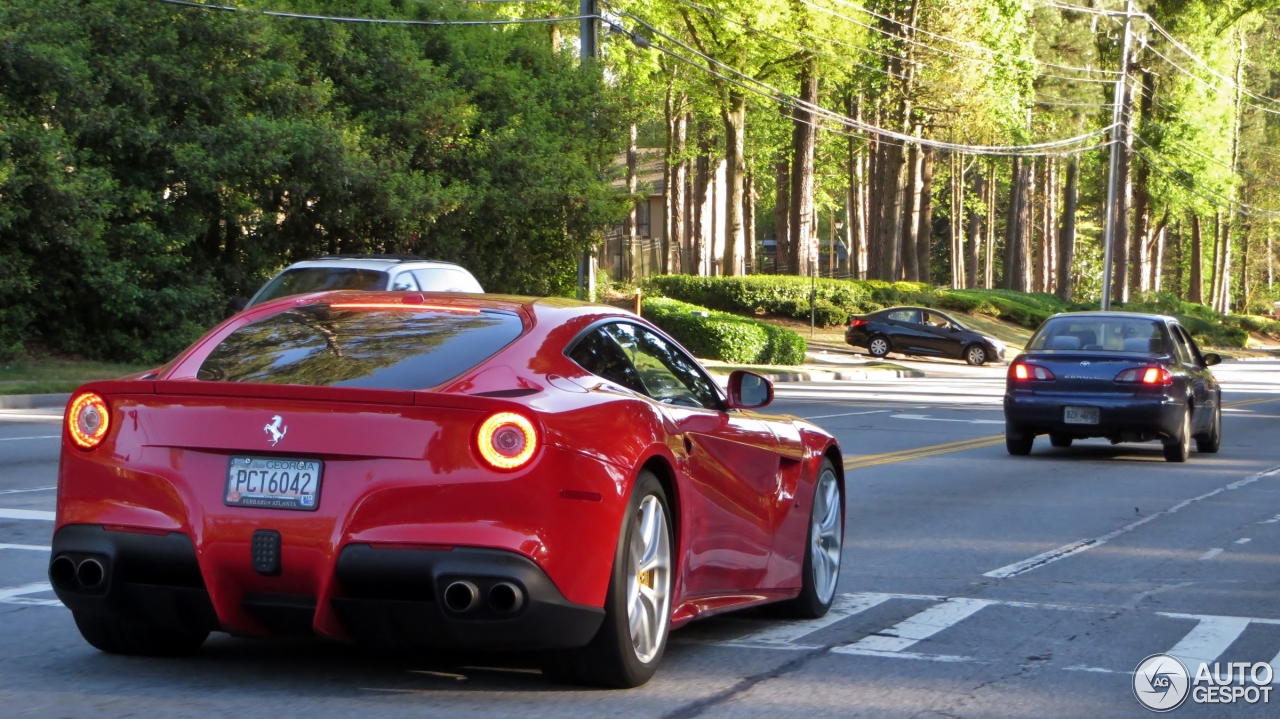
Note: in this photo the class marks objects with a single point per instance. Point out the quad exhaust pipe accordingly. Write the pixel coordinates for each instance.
(463, 596)
(86, 575)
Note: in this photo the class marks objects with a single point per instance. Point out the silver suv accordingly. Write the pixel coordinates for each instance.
(367, 272)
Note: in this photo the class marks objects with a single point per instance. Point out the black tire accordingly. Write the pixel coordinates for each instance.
(1211, 440)
(610, 660)
(116, 636)
(808, 604)
(975, 355)
(878, 346)
(1018, 443)
(1060, 440)
(1177, 449)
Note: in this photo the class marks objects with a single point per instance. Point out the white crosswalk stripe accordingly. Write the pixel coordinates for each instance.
(1208, 640)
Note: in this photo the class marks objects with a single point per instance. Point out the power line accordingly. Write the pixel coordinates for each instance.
(1180, 173)
(838, 58)
(377, 21)
(754, 86)
(955, 41)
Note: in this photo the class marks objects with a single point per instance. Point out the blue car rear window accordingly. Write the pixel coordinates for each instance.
(1101, 333)
(379, 349)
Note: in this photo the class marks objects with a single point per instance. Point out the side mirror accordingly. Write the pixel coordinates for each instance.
(748, 390)
(1212, 358)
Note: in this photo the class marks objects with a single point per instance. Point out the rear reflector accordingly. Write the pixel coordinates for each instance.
(1146, 375)
(1025, 372)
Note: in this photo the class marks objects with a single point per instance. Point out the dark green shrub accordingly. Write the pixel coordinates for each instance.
(723, 336)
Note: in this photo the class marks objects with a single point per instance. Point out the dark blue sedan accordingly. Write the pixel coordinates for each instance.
(1123, 376)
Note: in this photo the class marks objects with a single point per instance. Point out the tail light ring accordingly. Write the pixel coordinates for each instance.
(506, 441)
(1027, 372)
(88, 419)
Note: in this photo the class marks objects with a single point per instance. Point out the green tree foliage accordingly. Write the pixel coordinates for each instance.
(155, 160)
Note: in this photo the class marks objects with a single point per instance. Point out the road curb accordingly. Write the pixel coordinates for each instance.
(33, 401)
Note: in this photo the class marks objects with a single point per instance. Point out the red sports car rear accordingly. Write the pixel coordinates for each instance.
(380, 468)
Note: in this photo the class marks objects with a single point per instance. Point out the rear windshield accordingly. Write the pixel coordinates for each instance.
(321, 279)
(379, 349)
(1101, 334)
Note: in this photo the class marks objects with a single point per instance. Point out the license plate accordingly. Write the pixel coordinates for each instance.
(273, 483)
(1080, 415)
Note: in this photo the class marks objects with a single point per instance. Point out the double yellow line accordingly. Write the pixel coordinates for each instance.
(902, 455)
(871, 460)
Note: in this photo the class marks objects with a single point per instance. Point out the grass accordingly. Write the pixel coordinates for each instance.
(52, 375)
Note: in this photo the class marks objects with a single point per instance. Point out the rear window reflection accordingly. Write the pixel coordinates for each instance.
(382, 349)
(1102, 334)
(321, 279)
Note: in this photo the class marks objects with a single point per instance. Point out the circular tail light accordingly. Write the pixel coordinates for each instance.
(507, 440)
(88, 420)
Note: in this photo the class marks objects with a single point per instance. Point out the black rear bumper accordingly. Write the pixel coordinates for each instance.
(386, 597)
(395, 597)
(1120, 418)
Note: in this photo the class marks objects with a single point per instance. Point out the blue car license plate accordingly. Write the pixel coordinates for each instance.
(1080, 415)
(273, 483)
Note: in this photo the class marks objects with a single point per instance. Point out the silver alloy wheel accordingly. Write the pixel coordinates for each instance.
(826, 536)
(649, 579)
(879, 346)
(977, 355)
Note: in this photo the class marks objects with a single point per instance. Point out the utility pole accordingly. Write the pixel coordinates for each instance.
(589, 51)
(1119, 134)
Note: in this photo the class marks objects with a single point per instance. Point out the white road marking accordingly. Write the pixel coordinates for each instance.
(1210, 554)
(31, 547)
(785, 635)
(20, 491)
(1273, 520)
(908, 632)
(1244, 540)
(1275, 663)
(1210, 638)
(1053, 555)
(927, 418)
(28, 416)
(43, 436)
(27, 514)
(849, 414)
(17, 595)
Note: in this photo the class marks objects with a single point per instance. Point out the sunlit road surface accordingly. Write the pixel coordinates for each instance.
(974, 584)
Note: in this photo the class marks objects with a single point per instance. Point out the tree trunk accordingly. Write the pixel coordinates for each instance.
(911, 216)
(749, 198)
(856, 210)
(1157, 280)
(1017, 227)
(875, 164)
(1224, 284)
(1153, 254)
(1195, 293)
(1067, 233)
(989, 266)
(676, 199)
(892, 191)
(735, 119)
(803, 137)
(702, 182)
(782, 213)
(1214, 277)
(975, 223)
(1139, 257)
(924, 229)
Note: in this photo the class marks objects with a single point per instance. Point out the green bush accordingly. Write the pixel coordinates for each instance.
(723, 336)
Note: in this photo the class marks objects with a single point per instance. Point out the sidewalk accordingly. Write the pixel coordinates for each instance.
(817, 369)
(33, 401)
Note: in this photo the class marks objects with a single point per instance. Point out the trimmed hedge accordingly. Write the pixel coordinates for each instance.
(838, 300)
(723, 336)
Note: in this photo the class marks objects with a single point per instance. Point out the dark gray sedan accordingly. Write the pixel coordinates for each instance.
(922, 332)
(1123, 376)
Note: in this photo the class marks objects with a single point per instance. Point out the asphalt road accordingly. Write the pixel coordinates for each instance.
(974, 584)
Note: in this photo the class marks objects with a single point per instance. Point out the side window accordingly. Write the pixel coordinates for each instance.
(912, 316)
(446, 280)
(404, 282)
(934, 319)
(598, 354)
(1196, 359)
(668, 375)
(1180, 348)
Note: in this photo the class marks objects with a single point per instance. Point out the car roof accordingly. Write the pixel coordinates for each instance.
(1113, 313)
(380, 263)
